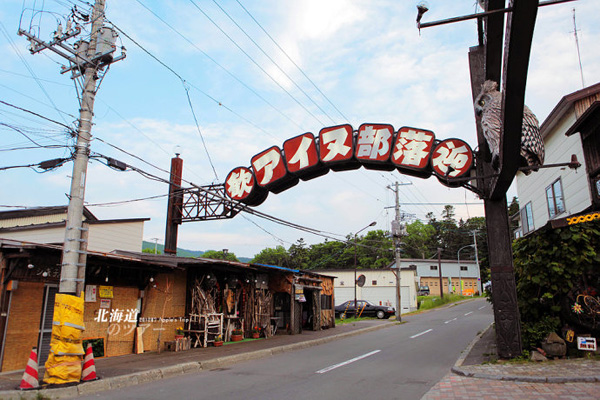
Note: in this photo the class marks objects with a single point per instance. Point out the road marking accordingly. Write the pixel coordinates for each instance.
(470, 312)
(422, 333)
(322, 371)
(481, 307)
(450, 320)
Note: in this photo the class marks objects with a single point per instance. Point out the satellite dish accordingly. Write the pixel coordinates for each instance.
(361, 280)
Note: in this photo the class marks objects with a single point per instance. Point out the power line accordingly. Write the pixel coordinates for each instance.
(186, 82)
(37, 115)
(291, 60)
(15, 49)
(255, 63)
(219, 65)
(274, 62)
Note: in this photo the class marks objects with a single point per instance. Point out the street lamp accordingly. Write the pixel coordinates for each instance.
(459, 274)
(355, 266)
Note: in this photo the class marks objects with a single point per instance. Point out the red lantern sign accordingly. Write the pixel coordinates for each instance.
(374, 145)
(412, 150)
(268, 166)
(451, 158)
(300, 152)
(239, 183)
(336, 147)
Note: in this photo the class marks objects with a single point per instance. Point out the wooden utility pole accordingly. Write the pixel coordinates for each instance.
(174, 205)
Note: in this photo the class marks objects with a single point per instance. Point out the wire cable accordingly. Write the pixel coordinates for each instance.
(256, 63)
(218, 65)
(274, 62)
(291, 60)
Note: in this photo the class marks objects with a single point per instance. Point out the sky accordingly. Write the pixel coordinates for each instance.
(220, 81)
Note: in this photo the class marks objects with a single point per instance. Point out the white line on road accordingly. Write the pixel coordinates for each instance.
(322, 371)
(422, 333)
(450, 320)
(470, 312)
(481, 307)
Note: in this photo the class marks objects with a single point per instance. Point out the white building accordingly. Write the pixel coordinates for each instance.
(428, 274)
(379, 286)
(47, 225)
(572, 128)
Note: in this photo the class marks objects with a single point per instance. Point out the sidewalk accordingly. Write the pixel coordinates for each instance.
(134, 369)
(474, 376)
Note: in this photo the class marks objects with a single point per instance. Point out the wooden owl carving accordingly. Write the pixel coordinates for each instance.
(488, 105)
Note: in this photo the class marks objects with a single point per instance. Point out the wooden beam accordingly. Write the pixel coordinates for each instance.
(494, 28)
(519, 28)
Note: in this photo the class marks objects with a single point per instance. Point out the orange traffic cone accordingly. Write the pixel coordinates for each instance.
(89, 366)
(30, 377)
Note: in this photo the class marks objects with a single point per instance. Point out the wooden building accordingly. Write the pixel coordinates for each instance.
(136, 301)
(571, 128)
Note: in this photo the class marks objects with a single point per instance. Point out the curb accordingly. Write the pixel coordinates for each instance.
(465, 352)
(142, 377)
(457, 369)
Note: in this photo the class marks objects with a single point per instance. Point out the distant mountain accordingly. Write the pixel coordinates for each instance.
(183, 252)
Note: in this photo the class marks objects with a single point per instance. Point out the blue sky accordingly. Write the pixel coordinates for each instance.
(367, 57)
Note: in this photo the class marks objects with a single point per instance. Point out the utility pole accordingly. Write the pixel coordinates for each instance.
(479, 283)
(439, 254)
(398, 230)
(87, 60)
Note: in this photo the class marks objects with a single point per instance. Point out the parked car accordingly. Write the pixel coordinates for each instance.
(423, 291)
(365, 309)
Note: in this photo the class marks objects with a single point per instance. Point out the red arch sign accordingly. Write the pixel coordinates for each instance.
(412, 151)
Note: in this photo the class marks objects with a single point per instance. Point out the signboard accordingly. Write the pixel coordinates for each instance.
(90, 293)
(576, 219)
(302, 157)
(301, 298)
(374, 146)
(586, 343)
(105, 303)
(452, 158)
(412, 150)
(106, 292)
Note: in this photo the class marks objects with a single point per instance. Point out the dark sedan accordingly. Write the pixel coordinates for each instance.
(365, 309)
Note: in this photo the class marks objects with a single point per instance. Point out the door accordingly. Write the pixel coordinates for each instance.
(46, 325)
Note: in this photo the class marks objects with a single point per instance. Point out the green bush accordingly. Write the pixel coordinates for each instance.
(551, 268)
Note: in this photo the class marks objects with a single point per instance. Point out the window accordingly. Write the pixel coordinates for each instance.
(554, 196)
(527, 218)
(374, 283)
(433, 267)
(326, 303)
(464, 268)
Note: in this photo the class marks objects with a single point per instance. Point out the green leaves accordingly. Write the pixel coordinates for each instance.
(548, 266)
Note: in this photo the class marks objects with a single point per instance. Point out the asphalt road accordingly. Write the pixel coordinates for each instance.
(400, 362)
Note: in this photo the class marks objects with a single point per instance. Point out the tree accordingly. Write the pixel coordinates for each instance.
(219, 255)
(151, 251)
(298, 253)
(418, 242)
(552, 268)
(273, 256)
(328, 255)
(374, 250)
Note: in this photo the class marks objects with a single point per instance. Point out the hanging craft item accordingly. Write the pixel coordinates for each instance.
(577, 309)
